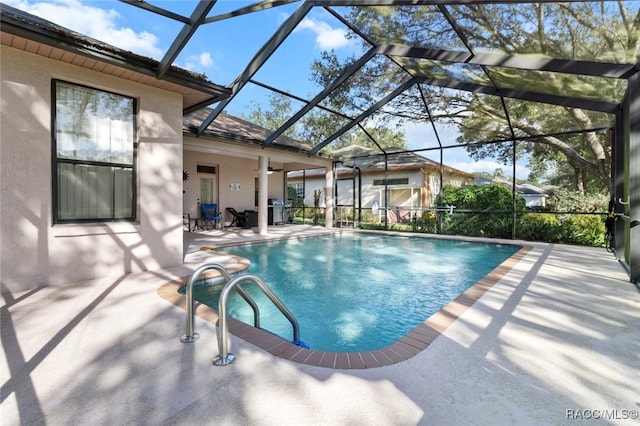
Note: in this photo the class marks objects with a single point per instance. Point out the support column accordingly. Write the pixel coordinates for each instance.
(329, 201)
(618, 136)
(634, 177)
(263, 194)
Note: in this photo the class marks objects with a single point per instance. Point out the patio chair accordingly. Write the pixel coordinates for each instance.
(209, 216)
(239, 219)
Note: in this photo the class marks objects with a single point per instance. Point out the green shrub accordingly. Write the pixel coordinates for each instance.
(566, 228)
(492, 225)
(539, 227)
(488, 220)
(489, 200)
(427, 222)
(479, 197)
(583, 229)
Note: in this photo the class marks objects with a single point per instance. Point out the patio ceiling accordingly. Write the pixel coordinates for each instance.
(454, 56)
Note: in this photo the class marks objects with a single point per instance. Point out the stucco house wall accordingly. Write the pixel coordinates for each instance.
(313, 182)
(36, 252)
(371, 192)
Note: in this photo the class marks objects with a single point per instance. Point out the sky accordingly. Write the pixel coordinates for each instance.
(221, 51)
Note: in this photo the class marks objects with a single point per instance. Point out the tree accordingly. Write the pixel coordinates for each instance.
(279, 111)
(606, 31)
(315, 126)
(375, 138)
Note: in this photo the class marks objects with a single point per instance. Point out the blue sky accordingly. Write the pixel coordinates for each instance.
(221, 50)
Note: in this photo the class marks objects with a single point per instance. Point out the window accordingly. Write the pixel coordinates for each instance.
(206, 190)
(299, 189)
(206, 169)
(93, 155)
(397, 181)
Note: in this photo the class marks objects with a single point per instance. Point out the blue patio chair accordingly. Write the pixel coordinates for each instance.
(209, 216)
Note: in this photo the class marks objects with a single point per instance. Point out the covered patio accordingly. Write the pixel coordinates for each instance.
(553, 341)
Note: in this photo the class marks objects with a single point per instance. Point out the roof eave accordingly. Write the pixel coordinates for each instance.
(42, 31)
(233, 137)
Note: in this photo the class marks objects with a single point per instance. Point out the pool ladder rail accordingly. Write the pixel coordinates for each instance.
(232, 283)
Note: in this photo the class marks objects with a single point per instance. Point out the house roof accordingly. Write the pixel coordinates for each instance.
(400, 160)
(231, 127)
(528, 189)
(522, 189)
(32, 34)
(375, 163)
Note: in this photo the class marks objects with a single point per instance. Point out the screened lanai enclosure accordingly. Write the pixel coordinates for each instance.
(532, 91)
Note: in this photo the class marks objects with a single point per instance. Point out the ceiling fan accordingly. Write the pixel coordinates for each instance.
(270, 169)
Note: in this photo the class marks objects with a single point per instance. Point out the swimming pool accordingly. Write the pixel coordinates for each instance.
(356, 291)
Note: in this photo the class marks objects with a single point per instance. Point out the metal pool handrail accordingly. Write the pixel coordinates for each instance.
(224, 357)
(190, 335)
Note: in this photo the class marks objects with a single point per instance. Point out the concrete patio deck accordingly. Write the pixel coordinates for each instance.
(555, 341)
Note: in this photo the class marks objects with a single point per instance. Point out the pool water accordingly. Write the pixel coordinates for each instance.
(356, 292)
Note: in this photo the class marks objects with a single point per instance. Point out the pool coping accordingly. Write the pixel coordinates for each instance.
(404, 349)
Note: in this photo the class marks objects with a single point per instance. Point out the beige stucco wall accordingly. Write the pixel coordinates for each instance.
(311, 185)
(34, 251)
(370, 193)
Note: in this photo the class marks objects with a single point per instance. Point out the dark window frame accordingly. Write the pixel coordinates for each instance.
(56, 161)
(393, 181)
(203, 168)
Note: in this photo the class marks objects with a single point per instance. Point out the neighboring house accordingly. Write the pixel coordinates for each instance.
(534, 197)
(93, 154)
(412, 182)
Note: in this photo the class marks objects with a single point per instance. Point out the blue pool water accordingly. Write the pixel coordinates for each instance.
(356, 292)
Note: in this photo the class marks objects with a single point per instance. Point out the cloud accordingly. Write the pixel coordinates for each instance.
(94, 22)
(327, 38)
(488, 166)
(205, 59)
(198, 62)
(472, 166)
